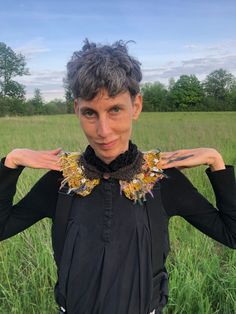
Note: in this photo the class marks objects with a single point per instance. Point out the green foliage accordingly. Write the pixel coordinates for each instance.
(219, 84)
(70, 106)
(13, 106)
(38, 98)
(232, 98)
(216, 93)
(186, 94)
(154, 97)
(55, 106)
(68, 96)
(36, 102)
(19, 107)
(11, 65)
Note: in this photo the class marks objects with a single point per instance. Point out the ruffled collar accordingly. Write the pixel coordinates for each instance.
(123, 160)
(137, 172)
(124, 167)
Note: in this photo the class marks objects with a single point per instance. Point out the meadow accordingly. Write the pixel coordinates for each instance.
(202, 271)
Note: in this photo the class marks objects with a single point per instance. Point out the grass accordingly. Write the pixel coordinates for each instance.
(202, 272)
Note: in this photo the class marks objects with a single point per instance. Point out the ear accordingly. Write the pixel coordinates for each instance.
(76, 107)
(137, 106)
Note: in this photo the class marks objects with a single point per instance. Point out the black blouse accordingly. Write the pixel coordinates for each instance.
(106, 264)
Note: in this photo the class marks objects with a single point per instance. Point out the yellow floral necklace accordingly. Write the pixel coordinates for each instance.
(136, 189)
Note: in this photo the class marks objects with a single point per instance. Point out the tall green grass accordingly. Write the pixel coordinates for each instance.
(202, 272)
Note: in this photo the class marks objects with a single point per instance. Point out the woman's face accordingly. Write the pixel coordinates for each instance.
(107, 122)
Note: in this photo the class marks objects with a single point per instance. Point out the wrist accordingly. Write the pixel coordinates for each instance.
(10, 161)
(218, 163)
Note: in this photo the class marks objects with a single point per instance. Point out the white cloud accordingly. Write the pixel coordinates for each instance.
(49, 82)
(191, 46)
(32, 47)
(200, 59)
(42, 78)
(226, 47)
(49, 94)
(198, 66)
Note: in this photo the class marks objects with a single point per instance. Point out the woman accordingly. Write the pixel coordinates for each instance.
(116, 241)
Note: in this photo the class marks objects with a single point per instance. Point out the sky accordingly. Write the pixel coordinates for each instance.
(171, 38)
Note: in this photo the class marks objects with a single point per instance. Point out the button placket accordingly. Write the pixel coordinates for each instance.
(108, 210)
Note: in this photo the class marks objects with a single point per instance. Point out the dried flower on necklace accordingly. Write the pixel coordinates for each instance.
(144, 181)
(136, 189)
(74, 175)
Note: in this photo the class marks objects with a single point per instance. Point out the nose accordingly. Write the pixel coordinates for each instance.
(103, 127)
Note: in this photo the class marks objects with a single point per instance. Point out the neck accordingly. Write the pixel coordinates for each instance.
(123, 167)
(113, 164)
(108, 160)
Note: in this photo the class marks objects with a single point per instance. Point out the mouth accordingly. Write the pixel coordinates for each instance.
(107, 145)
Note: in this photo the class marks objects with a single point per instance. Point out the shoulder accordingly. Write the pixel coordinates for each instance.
(50, 181)
(175, 179)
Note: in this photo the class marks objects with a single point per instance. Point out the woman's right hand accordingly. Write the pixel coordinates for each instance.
(39, 159)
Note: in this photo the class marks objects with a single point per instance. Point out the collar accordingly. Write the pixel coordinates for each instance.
(124, 167)
(76, 175)
(122, 160)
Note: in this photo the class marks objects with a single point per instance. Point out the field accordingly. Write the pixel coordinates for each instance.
(202, 272)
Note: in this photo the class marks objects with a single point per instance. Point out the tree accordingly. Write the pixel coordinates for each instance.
(154, 97)
(55, 106)
(186, 93)
(11, 65)
(219, 84)
(69, 97)
(171, 83)
(232, 98)
(36, 102)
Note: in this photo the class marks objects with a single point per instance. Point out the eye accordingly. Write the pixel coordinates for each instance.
(115, 109)
(88, 113)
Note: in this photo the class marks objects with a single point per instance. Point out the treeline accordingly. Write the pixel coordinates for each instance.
(11, 106)
(216, 93)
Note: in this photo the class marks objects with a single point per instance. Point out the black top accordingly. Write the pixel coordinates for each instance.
(108, 251)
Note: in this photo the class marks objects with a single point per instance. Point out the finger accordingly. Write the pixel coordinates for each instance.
(56, 151)
(49, 160)
(52, 151)
(46, 161)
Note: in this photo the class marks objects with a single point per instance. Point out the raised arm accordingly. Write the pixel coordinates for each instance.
(40, 202)
(189, 158)
(181, 198)
(38, 159)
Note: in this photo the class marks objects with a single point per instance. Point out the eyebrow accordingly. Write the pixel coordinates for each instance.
(84, 108)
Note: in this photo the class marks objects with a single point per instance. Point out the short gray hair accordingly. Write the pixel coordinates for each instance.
(98, 66)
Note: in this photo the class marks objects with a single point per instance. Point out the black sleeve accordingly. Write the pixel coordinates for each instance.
(181, 198)
(40, 202)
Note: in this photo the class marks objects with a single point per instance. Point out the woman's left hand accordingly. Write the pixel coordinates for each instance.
(188, 158)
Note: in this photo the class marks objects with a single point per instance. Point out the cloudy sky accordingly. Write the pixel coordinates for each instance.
(172, 37)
